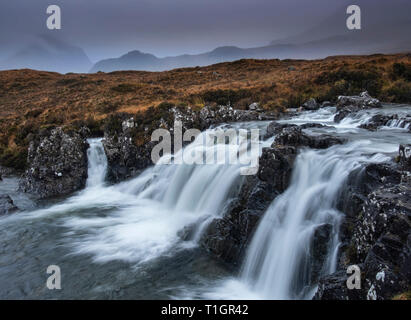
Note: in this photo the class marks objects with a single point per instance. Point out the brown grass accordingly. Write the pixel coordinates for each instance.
(31, 100)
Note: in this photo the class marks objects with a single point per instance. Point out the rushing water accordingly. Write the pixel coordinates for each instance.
(139, 238)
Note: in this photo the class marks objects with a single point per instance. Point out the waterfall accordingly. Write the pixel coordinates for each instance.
(97, 163)
(166, 208)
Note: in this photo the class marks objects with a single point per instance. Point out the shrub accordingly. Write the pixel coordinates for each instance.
(400, 92)
(126, 87)
(357, 80)
(401, 70)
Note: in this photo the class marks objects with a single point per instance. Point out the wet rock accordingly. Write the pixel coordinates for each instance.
(254, 106)
(313, 125)
(227, 237)
(378, 121)
(379, 236)
(345, 112)
(6, 205)
(57, 164)
(293, 136)
(128, 147)
(319, 250)
(352, 104)
(334, 287)
(404, 155)
(311, 105)
(363, 101)
(275, 128)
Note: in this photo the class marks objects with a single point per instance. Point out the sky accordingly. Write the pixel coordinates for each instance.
(110, 28)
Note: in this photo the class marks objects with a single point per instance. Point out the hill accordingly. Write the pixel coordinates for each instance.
(31, 101)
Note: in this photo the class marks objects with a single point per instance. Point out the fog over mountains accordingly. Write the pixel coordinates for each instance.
(141, 36)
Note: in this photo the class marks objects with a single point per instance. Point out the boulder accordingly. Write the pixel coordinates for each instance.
(57, 164)
(227, 237)
(293, 136)
(311, 105)
(376, 235)
(363, 101)
(378, 121)
(128, 146)
(254, 106)
(6, 205)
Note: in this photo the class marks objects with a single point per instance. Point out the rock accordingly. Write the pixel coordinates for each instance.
(128, 156)
(363, 101)
(6, 205)
(254, 106)
(291, 68)
(404, 154)
(379, 236)
(378, 121)
(334, 287)
(313, 125)
(293, 136)
(344, 113)
(311, 105)
(275, 128)
(351, 104)
(319, 250)
(227, 237)
(57, 164)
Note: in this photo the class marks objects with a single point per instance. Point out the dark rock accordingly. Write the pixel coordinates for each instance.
(126, 159)
(293, 136)
(344, 113)
(352, 104)
(311, 105)
(334, 287)
(378, 121)
(227, 237)
(275, 128)
(319, 250)
(6, 205)
(379, 235)
(57, 164)
(313, 125)
(254, 107)
(363, 101)
(405, 155)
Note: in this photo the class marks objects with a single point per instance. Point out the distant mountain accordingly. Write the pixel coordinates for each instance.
(345, 44)
(48, 54)
(380, 33)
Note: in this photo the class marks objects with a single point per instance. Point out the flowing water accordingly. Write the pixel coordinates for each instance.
(139, 239)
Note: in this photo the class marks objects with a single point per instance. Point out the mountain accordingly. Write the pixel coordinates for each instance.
(381, 32)
(49, 54)
(345, 44)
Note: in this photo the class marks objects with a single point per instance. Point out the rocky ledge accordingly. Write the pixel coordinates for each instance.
(376, 234)
(128, 146)
(351, 104)
(378, 121)
(57, 164)
(228, 237)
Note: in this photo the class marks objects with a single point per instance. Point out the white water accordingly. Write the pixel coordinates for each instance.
(145, 218)
(279, 259)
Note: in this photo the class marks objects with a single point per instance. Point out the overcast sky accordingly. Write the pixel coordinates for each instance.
(110, 28)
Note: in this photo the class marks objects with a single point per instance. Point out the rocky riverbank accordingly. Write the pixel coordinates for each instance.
(375, 231)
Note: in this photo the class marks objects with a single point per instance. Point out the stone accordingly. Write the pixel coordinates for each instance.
(311, 105)
(6, 205)
(57, 164)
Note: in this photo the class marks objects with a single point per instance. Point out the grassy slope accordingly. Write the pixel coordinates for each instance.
(33, 100)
